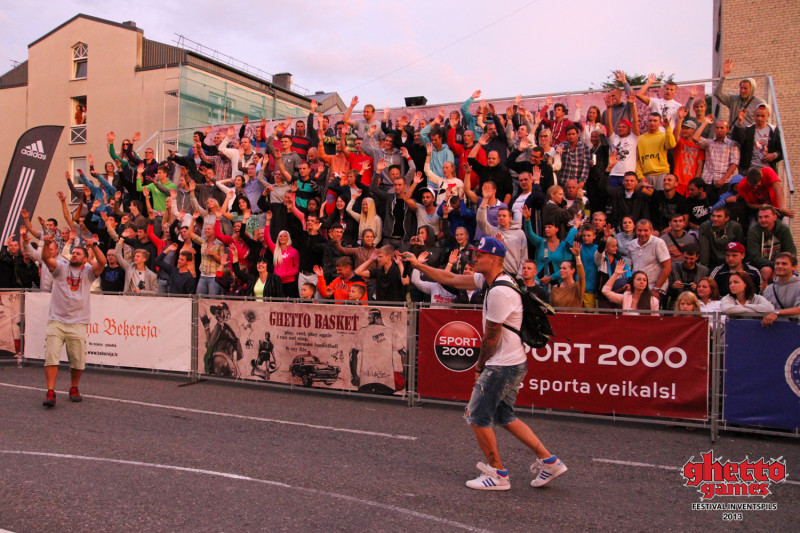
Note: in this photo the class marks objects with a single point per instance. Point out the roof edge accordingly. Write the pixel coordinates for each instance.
(87, 17)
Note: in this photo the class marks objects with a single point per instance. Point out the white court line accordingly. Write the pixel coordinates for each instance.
(229, 415)
(226, 475)
(662, 467)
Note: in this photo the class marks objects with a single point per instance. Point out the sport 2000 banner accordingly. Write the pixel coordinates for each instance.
(359, 348)
(627, 365)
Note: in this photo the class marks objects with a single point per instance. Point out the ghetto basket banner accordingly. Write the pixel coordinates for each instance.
(10, 306)
(633, 365)
(128, 331)
(358, 348)
(762, 374)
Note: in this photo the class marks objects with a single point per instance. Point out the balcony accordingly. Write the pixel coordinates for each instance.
(77, 134)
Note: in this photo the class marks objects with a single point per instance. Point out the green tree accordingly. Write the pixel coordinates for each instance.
(634, 80)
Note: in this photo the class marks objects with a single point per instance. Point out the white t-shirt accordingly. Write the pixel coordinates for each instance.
(626, 150)
(378, 355)
(70, 298)
(666, 107)
(516, 207)
(760, 147)
(503, 305)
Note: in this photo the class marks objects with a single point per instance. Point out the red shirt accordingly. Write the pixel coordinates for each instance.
(461, 154)
(764, 193)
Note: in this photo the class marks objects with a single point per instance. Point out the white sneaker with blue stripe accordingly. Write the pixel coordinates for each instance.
(490, 479)
(544, 473)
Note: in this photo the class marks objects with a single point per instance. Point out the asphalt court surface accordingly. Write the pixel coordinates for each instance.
(142, 453)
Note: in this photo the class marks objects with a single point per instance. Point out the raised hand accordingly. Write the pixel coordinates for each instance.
(61, 196)
(576, 249)
(526, 212)
(245, 120)
(140, 169)
(548, 101)
(269, 217)
(620, 76)
(682, 112)
(484, 140)
(620, 268)
(96, 204)
(417, 178)
(136, 136)
(709, 119)
(313, 106)
(651, 78)
(365, 165)
(476, 95)
(110, 136)
(381, 165)
(536, 174)
(404, 152)
(523, 144)
(727, 67)
(90, 160)
(693, 92)
(742, 115)
(25, 215)
(429, 148)
(318, 270)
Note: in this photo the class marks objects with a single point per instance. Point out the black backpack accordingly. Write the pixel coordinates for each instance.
(535, 331)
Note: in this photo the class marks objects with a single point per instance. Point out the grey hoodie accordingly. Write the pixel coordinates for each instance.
(788, 292)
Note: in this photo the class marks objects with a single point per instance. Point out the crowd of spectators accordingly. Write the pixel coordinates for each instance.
(688, 214)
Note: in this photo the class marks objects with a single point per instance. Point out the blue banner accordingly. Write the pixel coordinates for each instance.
(762, 378)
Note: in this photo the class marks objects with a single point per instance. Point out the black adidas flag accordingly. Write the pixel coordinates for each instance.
(26, 175)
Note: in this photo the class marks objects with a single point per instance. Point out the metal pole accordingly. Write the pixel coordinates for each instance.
(716, 376)
(783, 138)
(412, 349)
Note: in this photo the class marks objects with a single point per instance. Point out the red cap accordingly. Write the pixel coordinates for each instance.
(735, 247)
(626, 122)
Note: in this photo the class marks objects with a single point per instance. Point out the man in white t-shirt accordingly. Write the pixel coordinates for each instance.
(501, 366)
(70, 313)
(666, 106)
(623, 141)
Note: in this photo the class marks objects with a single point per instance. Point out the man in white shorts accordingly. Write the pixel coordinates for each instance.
(69, 313)
(501, 366)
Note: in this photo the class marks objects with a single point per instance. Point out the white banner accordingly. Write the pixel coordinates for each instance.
(9, 322)
(358, 348)
(127, 331)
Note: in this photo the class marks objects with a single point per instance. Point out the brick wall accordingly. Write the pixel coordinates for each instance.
(762, 38)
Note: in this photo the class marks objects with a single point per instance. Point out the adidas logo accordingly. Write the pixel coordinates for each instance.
(34, 150)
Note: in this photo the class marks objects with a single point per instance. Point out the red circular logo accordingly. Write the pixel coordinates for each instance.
(457, 346)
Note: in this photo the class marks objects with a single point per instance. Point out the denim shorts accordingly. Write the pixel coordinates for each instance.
(494, 394)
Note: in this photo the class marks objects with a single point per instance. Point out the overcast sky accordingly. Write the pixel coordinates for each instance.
(383, 51)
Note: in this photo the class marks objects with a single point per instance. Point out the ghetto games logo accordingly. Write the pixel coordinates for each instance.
(715, 477)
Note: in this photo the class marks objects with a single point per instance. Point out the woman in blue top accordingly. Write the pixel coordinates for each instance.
(550, 251)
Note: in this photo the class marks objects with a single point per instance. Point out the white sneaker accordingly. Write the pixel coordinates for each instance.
(544, 473)
(489, 479)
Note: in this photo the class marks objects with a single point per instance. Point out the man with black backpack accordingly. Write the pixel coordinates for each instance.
(501, 365)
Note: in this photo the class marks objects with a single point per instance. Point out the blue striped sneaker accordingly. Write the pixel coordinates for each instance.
(490, 479)
(544, 473)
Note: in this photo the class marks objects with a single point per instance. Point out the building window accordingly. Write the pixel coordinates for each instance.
(77, 163)
(77, 132)
(80, 56)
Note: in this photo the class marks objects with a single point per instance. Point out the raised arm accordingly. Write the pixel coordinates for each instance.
(440, 276)
(641, 94)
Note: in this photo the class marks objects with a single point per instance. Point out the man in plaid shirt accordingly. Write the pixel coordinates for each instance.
(722, 154)
(576, 159)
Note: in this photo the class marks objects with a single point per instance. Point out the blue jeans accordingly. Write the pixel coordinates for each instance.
(208, 285)
(494, 394)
